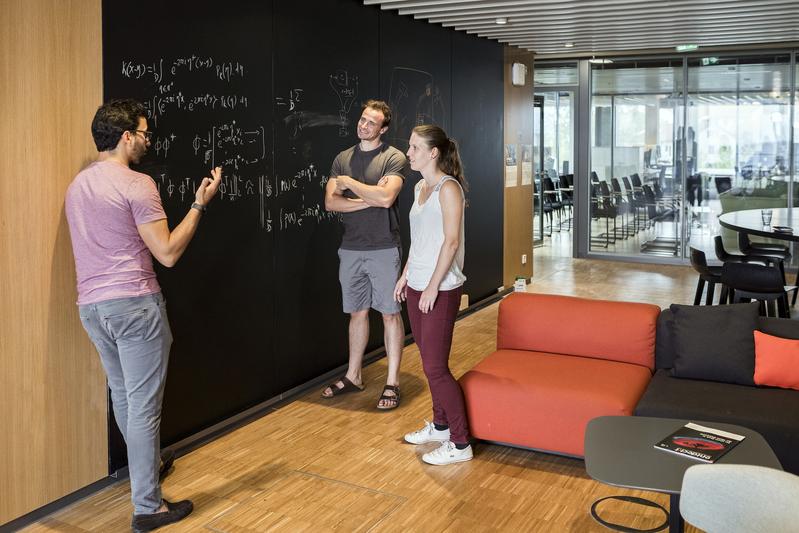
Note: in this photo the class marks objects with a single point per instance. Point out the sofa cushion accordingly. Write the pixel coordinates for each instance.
(779, 327)
(544, 400)
(617, 331)
(776, 361)
(774, 413)
(664, 344)
(715, 342)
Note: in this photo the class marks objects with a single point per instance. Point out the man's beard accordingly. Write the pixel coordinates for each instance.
(139, 152)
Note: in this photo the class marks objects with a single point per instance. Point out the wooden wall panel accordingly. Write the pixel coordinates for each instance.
(518, 213)
(53, 436)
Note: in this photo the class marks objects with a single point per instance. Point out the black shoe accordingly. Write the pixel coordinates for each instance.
(167, 459)
(176, 511)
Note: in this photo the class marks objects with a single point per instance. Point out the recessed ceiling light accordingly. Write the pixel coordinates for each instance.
(569, 45)
(501, 20)
(600, 60)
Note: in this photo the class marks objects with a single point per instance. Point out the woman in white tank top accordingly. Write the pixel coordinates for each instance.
(432, 283)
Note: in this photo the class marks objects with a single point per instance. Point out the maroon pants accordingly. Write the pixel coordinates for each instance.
(433, 335)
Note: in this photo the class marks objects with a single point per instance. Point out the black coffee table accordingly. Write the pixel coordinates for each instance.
(619, 450)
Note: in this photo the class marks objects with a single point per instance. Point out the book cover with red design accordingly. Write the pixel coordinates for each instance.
(700, 442)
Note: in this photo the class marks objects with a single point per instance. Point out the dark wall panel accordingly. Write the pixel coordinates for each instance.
(477, 122)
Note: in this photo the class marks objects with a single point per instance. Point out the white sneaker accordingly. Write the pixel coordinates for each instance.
(428, 433)
(447, 453)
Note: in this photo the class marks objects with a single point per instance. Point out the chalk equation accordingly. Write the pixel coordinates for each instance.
(157, 69)
(231, 145)
(218, 132)
(306, 187)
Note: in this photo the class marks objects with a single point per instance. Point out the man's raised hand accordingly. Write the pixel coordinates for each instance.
(208, 187)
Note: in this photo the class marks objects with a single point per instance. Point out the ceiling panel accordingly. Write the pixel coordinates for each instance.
(598, 26)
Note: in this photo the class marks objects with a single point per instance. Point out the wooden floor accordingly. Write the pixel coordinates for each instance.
(340, 465)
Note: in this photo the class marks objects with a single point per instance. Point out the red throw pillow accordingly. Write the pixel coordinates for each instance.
(776, 361)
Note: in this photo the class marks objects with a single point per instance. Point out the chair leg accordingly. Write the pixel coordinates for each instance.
(710, 289)
(700, 287)
(793, 302)
(771, 307)
(782, 306)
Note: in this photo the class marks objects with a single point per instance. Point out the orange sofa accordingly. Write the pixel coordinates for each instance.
(560, 361)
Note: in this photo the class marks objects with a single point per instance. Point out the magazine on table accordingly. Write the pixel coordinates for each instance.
(700, 442)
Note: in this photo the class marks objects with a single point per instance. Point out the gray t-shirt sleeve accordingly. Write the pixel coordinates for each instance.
(397, 165)
(335, 168)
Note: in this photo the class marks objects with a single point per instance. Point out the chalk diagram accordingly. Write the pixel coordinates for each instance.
(415, 99)
(345, 85)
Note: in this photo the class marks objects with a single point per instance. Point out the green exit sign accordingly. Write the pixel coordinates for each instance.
(709, 61)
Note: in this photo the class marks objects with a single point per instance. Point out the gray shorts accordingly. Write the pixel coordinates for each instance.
(368, 278)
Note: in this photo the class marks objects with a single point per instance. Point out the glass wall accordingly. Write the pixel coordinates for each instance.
(675, 142)
(636, 183)
(795, 133)
(555, 88)
(739, 127)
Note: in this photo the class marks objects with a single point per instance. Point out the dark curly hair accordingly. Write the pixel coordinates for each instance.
(113, 119)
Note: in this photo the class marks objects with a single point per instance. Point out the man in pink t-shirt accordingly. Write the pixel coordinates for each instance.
(117, 225)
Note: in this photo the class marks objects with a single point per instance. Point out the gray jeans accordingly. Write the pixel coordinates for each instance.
(133, 338)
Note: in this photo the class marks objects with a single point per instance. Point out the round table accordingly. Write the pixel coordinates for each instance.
(749, 221)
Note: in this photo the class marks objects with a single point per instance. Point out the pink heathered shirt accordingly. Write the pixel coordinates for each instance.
(104, 204)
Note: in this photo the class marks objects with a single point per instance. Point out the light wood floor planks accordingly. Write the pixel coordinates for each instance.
(340, 465)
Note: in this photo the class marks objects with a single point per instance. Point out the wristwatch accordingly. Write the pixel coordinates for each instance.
(199, 207)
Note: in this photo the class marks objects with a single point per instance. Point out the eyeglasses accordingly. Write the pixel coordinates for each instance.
(147, 134)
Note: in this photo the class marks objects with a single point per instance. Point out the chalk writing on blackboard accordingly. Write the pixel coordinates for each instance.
(345, 85)
(415, 99)
(224, 70)
(182, 85)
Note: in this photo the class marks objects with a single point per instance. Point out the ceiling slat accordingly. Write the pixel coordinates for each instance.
(630, 10)
(588, 29)
(544, 26)
(672, 32)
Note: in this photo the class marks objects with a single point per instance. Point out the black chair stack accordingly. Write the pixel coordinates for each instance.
(551, 198)
(602, 207)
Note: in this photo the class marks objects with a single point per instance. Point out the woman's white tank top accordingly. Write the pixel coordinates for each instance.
(427, 237)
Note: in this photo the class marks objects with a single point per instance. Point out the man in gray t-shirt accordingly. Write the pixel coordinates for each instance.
(365, 181)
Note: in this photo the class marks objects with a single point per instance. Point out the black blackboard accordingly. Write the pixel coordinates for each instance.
(208, 94)
(326, 60)
(272, 91)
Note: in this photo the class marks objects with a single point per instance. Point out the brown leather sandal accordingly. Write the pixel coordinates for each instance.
(349, 386)
(395, 398)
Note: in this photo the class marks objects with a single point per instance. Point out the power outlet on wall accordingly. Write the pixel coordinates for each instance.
(524, 259)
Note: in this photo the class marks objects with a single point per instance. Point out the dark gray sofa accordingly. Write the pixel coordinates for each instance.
(772, 412)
